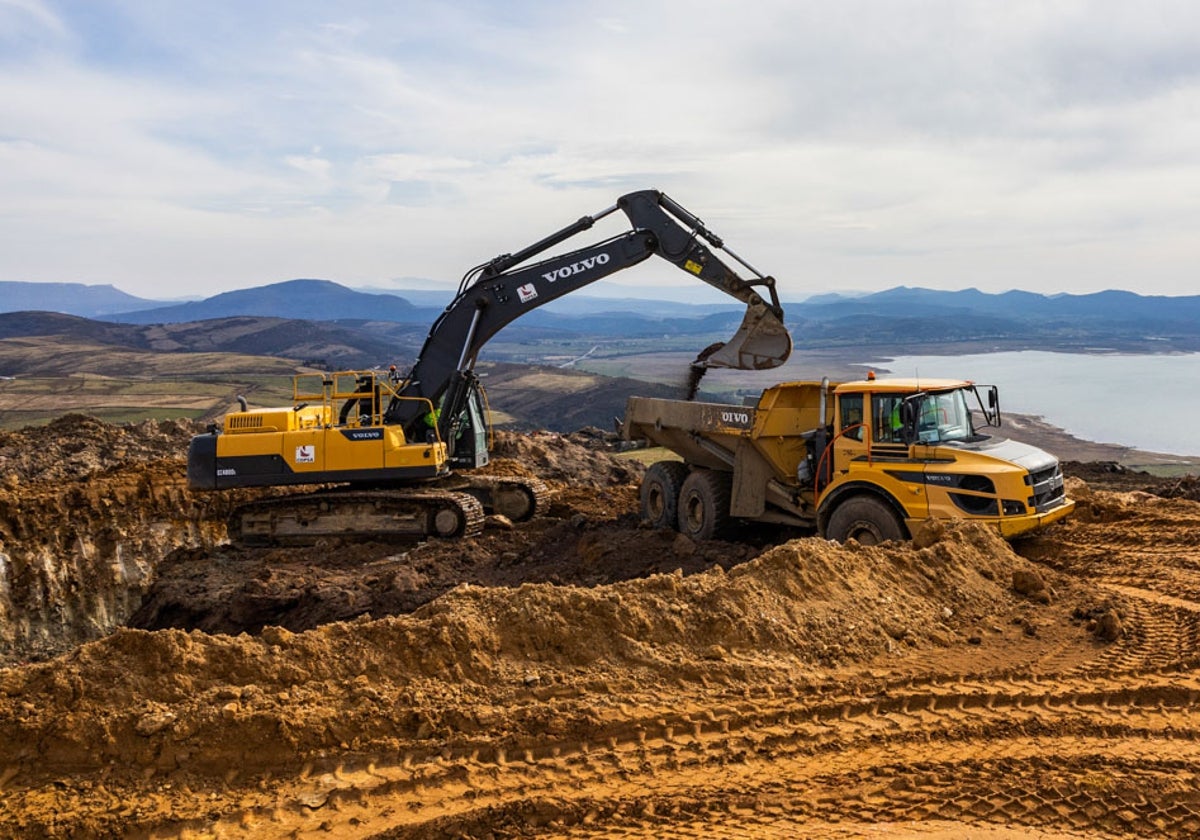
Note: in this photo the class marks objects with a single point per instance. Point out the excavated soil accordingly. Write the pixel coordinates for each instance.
(581, 676)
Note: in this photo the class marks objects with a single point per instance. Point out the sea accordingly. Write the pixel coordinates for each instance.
(1147, 401)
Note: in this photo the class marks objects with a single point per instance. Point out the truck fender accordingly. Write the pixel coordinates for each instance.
(855, 488)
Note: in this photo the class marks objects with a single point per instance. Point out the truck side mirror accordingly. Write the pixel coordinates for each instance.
(908, 421)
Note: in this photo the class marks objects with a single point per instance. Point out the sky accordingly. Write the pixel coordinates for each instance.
(181, 149)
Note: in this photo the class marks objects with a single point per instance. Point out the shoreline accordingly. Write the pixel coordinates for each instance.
(1065, 446)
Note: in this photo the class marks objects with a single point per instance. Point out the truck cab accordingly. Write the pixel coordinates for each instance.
(923, 447)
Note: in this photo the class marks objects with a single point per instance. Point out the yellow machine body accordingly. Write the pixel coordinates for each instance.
(806, 448)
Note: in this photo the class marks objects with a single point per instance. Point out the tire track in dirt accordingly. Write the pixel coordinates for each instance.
(737, 749)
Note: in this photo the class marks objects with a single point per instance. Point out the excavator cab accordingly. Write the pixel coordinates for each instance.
(361, 410)
(468, 434)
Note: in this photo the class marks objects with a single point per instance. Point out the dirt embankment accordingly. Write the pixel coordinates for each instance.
(87, 511)
(588, 677)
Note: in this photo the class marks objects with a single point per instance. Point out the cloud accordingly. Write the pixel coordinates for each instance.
(316, 166)
(949, 144)
(26, 18)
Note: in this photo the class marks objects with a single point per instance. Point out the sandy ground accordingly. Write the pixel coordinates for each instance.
(581, 676)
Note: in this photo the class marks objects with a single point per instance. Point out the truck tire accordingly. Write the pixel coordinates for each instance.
(866, 519)
(660, 493)
(704, 504)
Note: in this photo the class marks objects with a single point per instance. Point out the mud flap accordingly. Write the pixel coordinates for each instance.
(760, 343)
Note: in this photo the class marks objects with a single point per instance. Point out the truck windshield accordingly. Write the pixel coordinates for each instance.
(943, 417)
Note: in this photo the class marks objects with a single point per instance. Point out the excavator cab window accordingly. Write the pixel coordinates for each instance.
(362, 410)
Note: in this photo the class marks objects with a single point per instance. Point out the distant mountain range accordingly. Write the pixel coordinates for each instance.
(70, 299)
(1110, 305)
(896, 317)
(314, 343)
(1116, 320)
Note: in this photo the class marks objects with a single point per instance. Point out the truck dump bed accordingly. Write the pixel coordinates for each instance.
(775, 427)
(761, 446)
(689, 428)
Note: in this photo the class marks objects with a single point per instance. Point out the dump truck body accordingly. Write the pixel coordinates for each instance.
(869, 459)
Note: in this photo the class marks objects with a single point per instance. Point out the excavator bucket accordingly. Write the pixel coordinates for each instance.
(761, 342)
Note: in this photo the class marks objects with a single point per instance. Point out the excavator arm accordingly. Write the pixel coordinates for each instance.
(500, 291)
(761, 341)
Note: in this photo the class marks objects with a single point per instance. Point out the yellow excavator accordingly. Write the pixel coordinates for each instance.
(389, 444)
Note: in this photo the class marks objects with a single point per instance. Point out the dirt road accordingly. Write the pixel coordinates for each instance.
(596, 679)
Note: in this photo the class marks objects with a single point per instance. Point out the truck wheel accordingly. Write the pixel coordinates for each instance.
(704, 504)
(866, 519)
(660, 493)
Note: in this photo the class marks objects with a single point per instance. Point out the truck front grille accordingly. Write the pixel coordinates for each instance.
(1047, 487)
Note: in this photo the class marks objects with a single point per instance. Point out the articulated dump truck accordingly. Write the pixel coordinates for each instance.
(866, 460)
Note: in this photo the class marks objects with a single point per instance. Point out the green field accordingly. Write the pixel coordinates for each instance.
(32, 401)
(44, 379)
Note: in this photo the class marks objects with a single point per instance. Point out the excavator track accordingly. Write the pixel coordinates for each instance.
(518, 498)
(356, 516)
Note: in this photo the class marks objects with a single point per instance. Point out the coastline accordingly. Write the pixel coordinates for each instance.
(1063, 445)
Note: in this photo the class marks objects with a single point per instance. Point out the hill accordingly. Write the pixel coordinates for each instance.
(558, 400)
(318, 300)
(69, 298)
(315, 344)
(50, 363)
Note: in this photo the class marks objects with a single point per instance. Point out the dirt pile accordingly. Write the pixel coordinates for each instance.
(1109, 475)
(76, 446)
(196, 705)
(589, 535)
(577, 459)
(1187, 487)
(809, 599)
